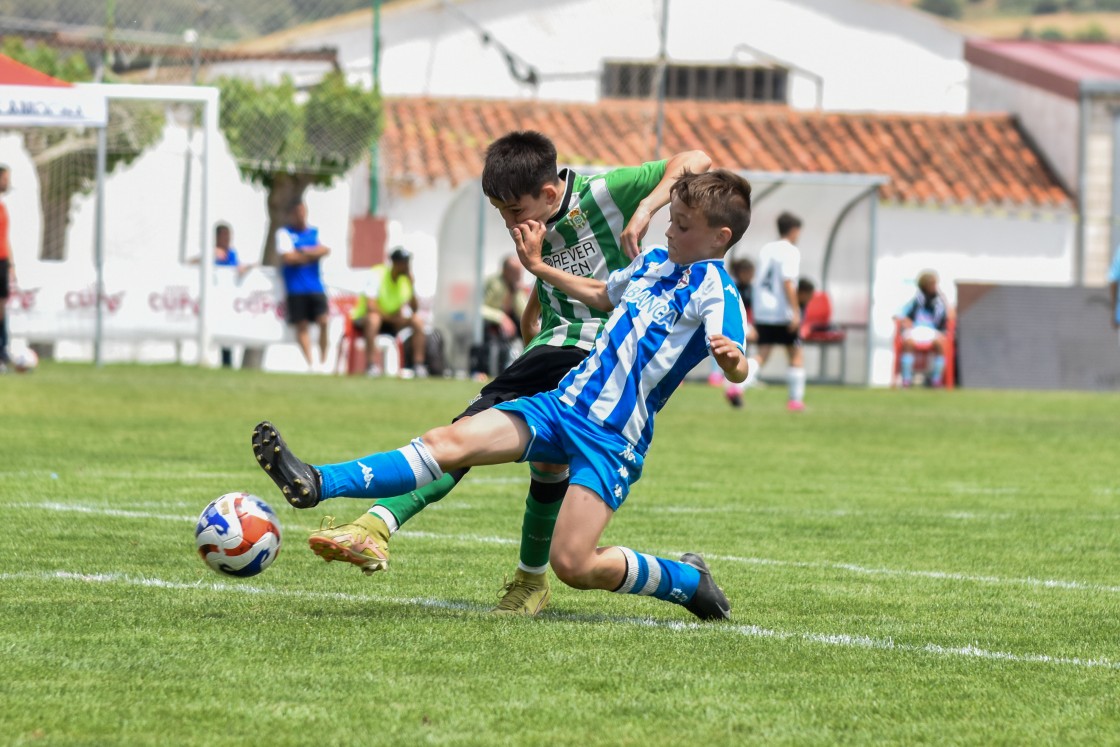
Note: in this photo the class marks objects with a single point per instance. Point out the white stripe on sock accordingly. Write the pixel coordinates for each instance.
(424, 467)
(549, 477)
(653, 580)
(386, 516)
(536, 570)
(631, 571)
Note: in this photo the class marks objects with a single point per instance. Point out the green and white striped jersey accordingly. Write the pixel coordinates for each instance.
(583, 239)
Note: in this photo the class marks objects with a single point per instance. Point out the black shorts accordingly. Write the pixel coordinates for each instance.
(307, 307)
(387, 326)
(776, 334)
(5, 272)
(538, 370)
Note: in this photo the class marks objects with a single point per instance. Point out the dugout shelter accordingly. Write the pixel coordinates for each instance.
(838, 252)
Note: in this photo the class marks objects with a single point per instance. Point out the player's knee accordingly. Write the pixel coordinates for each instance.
(571, 568)
(445, 445)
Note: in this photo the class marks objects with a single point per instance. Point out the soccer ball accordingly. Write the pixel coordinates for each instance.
(238, 534)
(24, 360)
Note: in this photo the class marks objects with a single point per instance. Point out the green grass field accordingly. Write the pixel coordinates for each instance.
(904, 567)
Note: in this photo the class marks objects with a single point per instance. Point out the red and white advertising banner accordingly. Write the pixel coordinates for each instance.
(52, 301)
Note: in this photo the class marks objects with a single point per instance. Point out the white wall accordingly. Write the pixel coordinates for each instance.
(961, 246)
(872, 55)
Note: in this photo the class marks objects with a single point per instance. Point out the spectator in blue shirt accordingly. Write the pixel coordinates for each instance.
(297, 245)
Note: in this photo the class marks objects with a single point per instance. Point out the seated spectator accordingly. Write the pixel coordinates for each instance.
(503, 302)
(805, 291)
(742, 272)
(387, 306)
(923, 321)
(503, 305)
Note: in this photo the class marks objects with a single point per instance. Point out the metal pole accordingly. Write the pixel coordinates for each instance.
(873, 252)
(99, 246)
(1085, 111)
(375, 83)
(206, 247)
(661, 63)
(479, 269)
(190, 36)
(1114, 228)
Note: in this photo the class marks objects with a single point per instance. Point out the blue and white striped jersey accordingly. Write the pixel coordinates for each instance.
(658, 332)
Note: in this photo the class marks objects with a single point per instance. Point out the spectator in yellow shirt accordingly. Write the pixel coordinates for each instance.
(386, 307)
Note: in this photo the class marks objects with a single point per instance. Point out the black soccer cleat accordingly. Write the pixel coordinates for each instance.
(709, 602)
(300, 483)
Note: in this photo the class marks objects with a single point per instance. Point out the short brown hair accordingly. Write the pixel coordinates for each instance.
(722, 196)
(518, 164)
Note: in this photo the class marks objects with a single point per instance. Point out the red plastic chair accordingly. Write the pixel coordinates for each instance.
(817, 329)
(923, 355)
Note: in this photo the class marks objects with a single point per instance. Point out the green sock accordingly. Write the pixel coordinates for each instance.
(540, 517)
(404, 507)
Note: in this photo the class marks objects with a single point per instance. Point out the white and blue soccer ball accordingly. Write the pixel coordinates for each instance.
(238, 534)
(23, 359)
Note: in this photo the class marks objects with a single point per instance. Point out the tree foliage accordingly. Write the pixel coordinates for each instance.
(945, 8)
(287, 141)
(66, 159)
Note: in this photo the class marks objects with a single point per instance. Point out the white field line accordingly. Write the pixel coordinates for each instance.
(751, 631)
(1047, 583)
(194, 475)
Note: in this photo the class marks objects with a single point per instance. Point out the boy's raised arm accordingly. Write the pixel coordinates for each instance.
(692, 161)
(528, 238)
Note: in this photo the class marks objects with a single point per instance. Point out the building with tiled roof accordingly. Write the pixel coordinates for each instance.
(1066, 96)
(976, 160)
(883, 196)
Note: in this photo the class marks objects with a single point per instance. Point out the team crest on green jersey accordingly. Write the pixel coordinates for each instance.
(577, 218)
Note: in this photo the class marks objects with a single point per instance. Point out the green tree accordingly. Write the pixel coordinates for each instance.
(66, 159)
(1094, 32)
(945, 8)
(288, 145)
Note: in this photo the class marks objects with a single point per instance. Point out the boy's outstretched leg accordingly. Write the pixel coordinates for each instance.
(581, 564)
(300, 483)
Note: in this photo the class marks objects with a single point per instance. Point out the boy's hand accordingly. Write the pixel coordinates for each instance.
(634, 232)
(528, 238)
(728, 356)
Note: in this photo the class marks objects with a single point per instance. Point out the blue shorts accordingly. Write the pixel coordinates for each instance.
(599, 459)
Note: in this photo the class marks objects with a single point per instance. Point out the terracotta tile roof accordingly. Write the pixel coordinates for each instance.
(970, 160)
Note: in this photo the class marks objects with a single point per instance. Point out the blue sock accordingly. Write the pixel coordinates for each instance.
(382, 475)
(907, 367)
(937, 369)
(651, 576)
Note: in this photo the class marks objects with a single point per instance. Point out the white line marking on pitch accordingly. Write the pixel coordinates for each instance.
(752, 631)
(1047, 583)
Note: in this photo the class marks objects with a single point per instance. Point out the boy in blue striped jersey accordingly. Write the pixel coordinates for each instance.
(672, 306)
(595, 224)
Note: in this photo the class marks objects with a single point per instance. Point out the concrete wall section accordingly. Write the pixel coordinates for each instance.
(1050, 120)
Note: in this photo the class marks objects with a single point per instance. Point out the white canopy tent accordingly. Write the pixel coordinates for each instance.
(29, 98)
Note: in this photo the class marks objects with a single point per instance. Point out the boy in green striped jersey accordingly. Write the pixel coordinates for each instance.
(593, 226)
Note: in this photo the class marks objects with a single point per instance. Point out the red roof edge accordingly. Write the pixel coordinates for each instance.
(983, 54)
(14, 73)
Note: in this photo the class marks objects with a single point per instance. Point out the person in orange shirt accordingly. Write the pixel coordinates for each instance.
(7, 269)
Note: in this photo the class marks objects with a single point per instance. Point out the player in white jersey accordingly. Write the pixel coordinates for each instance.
(777, 316)
(672, 307)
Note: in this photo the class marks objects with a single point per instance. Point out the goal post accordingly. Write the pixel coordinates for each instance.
(208, 99)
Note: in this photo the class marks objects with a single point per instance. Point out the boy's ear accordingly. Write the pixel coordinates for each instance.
(549, 192)
(723, 237)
